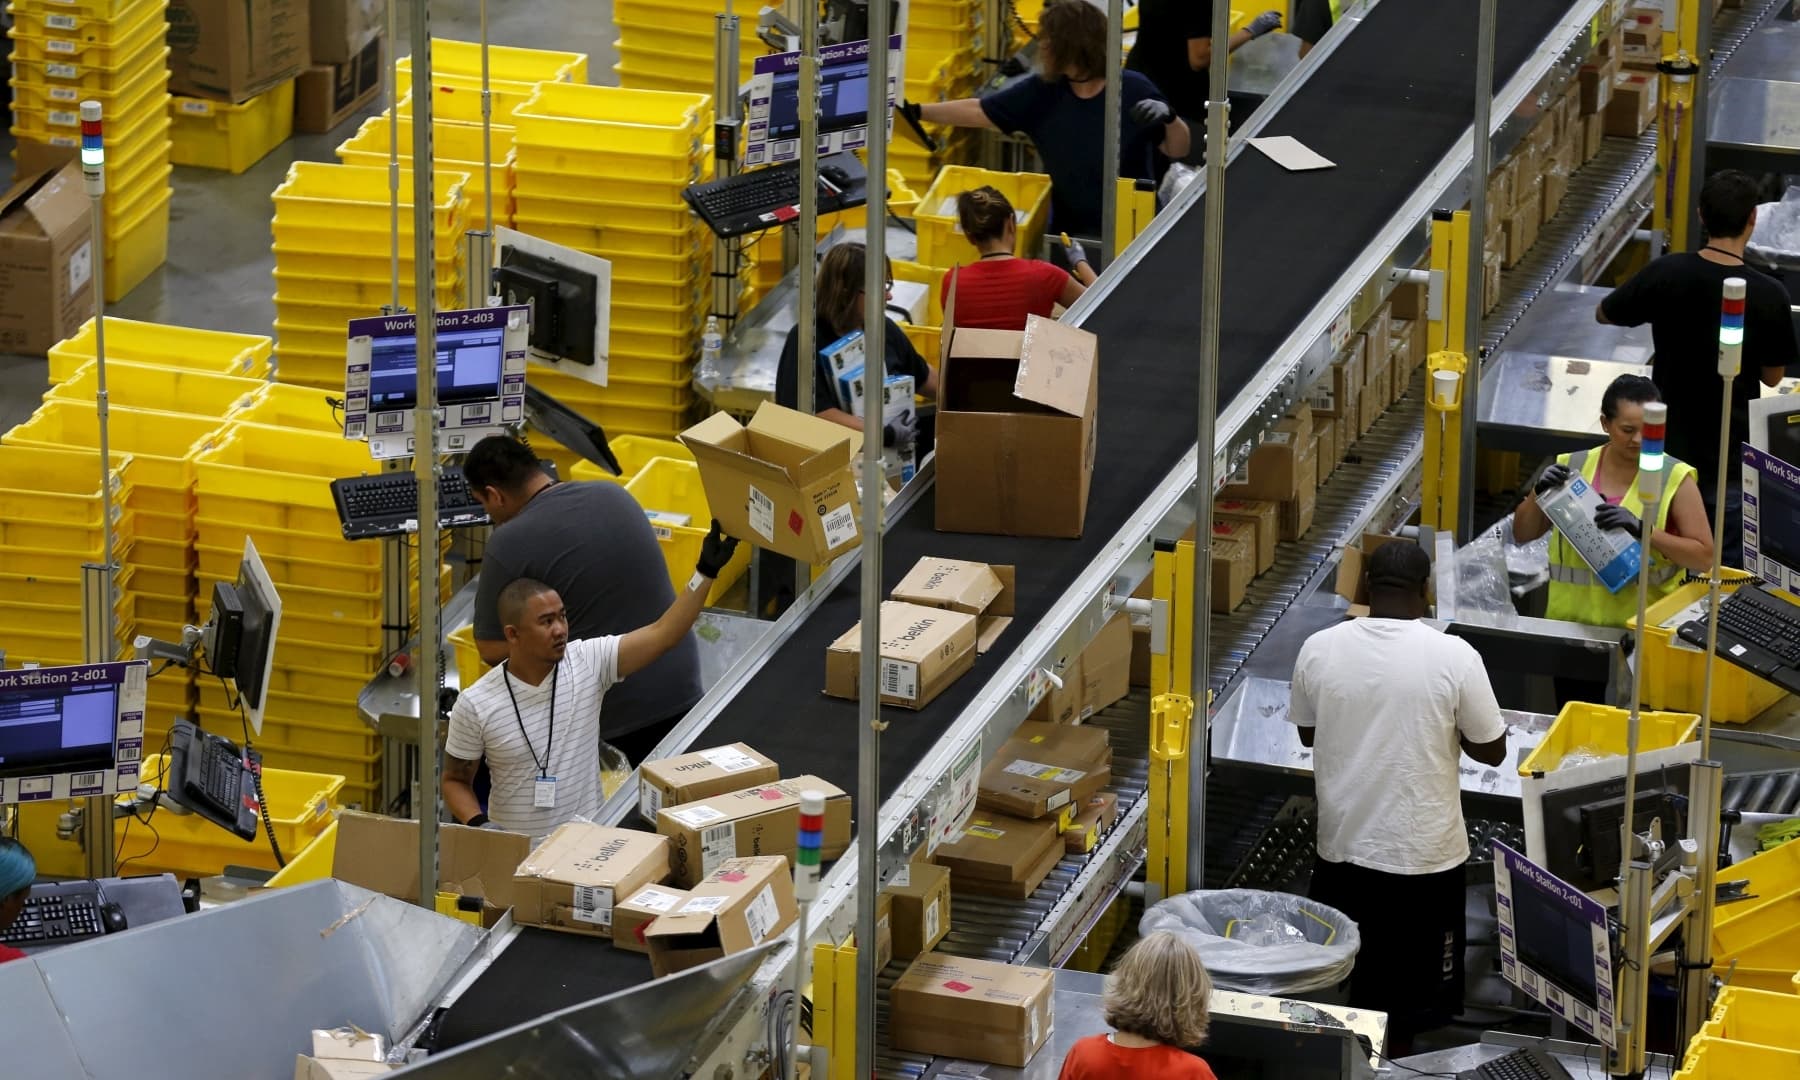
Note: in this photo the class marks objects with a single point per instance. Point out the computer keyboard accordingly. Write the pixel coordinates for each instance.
(57, 915)
(764, 198)
(387, 504)
(1759, 631)
(1529, 1063)
(209, 775)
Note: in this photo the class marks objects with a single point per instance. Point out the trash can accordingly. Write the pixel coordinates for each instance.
(1775, 244)
(1264, 942)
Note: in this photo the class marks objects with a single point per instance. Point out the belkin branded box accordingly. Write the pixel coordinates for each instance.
(923, 650)
(1772, 519)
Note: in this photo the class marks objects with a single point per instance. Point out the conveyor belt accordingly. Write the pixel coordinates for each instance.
(1289, 237)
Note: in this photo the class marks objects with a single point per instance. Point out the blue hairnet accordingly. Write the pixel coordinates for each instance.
(17, 868)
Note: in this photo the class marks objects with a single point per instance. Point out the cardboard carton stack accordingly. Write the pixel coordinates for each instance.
(945, 613)
(114, 54)
(343, 71)
(759, 820)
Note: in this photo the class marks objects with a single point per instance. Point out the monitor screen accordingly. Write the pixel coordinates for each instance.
(468, 367)
(1554, 940)
(57, 730)
(843, 100)
(256, 642)
(1778, 525)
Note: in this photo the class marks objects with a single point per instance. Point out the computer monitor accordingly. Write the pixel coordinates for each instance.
(69, 732)
(1772, 518)
(480, 359)
(241, 632)
(569, 296)
(772, 130)
(1582, 823)
(568, 427)
(1775, 426)
(1555, 943)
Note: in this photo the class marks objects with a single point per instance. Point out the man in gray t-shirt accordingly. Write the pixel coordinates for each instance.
(591, 543)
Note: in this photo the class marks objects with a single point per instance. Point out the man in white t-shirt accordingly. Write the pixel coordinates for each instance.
(535, 717)
(1389, 705)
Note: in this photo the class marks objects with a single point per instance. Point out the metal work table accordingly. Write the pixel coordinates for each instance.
(1753, 115)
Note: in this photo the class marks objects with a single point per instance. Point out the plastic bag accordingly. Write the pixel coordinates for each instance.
(1261, 942)
(1775, 243)
(1483, 582)
(1178, 177)
(615, 769)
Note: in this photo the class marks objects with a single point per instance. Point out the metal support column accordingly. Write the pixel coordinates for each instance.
(391, 72)
(429, 669)
(727, 125)
(874, 485)
(1481, 150)
(100, 641)
(1109, 143)
(1212, 273)
(806, 303)
(1681, 122)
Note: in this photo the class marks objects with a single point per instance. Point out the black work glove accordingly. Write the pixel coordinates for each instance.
(1617, 517)
(1153, 117)
(1554, 477)
(912, 112)
(715, 551)
(902, 430)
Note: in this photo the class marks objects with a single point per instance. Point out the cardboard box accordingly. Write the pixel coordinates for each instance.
(46, 259)
(1016, 428)
(1098, 676)
(691, 777)
(1322, 463)
(340, 29)
(381, 854)
(308, 1068)
(1272, 471)
(1376, 330)
(634, 915)
(1260, 514)
(975, 1009)
(997, 850)
(741, 904)
(1593, 135)
(572, 880)
(761, 820)
(884, 931)
(1297, 514)
(782, 483)
(233, 50)
(1233, 564)
(920, 898)
(1594, 88)
(1408, 301)
(327, 95)
(1352, 579)
(1045, 767)
(1633, 106)
(950, 584)
(923, 650)
(348, 1044)
(1093, 821)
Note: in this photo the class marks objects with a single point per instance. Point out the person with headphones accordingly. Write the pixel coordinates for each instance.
(1001, 289)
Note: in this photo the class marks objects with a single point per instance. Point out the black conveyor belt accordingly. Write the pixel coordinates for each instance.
(1386, 105)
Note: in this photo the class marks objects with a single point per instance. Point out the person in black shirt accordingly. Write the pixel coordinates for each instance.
(1312, 19)
(1679, 295)
(1174, 48)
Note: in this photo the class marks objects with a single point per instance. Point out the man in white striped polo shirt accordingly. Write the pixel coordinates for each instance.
(536, 716)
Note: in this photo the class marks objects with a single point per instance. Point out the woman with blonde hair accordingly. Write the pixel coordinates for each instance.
(1156, 1001)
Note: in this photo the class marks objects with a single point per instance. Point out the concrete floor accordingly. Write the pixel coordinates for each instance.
(218, 273)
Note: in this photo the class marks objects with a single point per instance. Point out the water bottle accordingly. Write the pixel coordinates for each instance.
(712, 345)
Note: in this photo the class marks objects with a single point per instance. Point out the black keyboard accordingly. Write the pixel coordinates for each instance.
(387, 504)
(765, 198)
(1530, 1063)
(57, 915)
(208, 775)
(1759, 630)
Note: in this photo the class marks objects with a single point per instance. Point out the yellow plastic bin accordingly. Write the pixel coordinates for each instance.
(50, 500)
(162, 445)
(1755, 1016)
(1601, 729)
(941, 242)
(1674, 676)
(1722, 1059)
(506, 63)
(300, 809)
(633, 452)
(455, 145)
(215, 135)
(1747, 925)
(669, 491)
(598, 119)
(277, 478)
(312, 864)
(340, 205)
(169, 346)
(158, 389)
(469, 665)
(276, 405)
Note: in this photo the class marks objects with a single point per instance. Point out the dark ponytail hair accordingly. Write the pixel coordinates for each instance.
(1632, 388)
(983, 213)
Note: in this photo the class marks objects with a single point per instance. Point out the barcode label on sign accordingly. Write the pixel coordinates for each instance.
(716, 845)
(593, 904)
(899, 678)
(87, 783)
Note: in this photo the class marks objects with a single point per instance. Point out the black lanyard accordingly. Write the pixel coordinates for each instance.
(550, 740)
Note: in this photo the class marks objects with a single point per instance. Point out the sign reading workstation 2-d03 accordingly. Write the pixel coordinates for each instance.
(480, 378)
(68, 732)
(773, 131)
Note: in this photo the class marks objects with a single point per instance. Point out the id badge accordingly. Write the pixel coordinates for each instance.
(543, 795)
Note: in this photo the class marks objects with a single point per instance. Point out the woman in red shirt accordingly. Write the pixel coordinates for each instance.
(999, 290)
(1156, 1000)
(17, 871)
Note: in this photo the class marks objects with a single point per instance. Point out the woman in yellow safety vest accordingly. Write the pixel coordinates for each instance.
(1681, 538)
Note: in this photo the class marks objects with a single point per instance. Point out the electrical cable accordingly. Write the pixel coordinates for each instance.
(1416, 1072)
(255, 768)
(162, 764)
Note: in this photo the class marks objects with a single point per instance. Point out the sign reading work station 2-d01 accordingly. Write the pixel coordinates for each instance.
(69, 732)
(480, 378)
(772, 133)
(1554, 943)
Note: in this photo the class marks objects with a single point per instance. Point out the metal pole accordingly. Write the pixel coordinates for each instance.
(1109, 143)
(807, 307)
(487, 130)
(874, 483)
(806, 890)
(429, 667)
(1731, 353)
(393, 82)
(1212, 279)
(1649, 484)
(1481, 132)
(97, 581)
